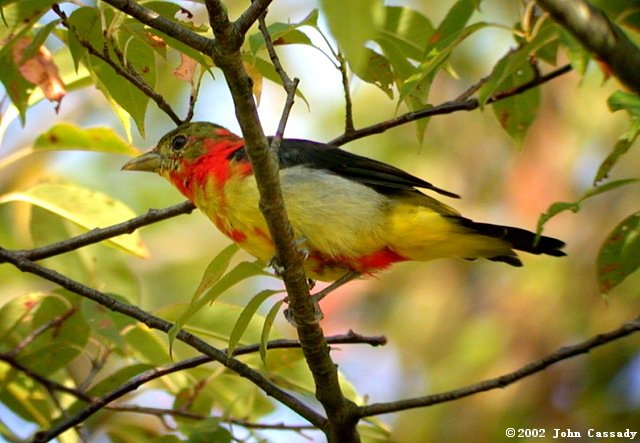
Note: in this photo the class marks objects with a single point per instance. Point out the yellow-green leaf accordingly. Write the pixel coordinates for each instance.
(67, 136)
(84, 207)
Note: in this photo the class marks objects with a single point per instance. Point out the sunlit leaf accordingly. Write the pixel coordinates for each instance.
(517, 113)
(621, 147)
(578, 55)
(68, 136)
(621, 100)
(86, 208)
(267, 70)
(206, 431)
(341, 17)
(513, 62)
(558, 207)
(215, 269)
(619, 255)
(240, 272)
(245, 317)
(266, 329)
(377, 71)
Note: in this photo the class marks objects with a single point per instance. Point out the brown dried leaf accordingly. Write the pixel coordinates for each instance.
(256, 79)
(40, 70)
(186, 69)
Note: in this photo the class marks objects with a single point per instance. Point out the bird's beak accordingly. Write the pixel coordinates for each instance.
(149, 162)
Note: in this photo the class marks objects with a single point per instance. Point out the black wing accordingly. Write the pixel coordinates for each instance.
(382, 177)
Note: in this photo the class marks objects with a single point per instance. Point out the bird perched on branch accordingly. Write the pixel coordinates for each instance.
(350, 214)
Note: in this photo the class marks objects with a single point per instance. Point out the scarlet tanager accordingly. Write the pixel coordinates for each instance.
(349, 213)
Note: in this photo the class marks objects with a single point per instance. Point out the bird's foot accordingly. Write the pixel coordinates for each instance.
(274, 263)
(317, 314)
(315, 298)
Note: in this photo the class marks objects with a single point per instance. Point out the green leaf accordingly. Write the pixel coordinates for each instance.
(12, 318)
(621, 147)
(215, 323)
(266, 329)
(22, 15)
(84, 207)
(215, 269)
(453, 23)
(558, 207)
(14, 83)
(281, 34)
(86, 23)
(353, 24)
(206, 431)
(513, 62)
(240, 272)
(418, 85)
(108, 324)
(377, 71)
(619, 255)
(621, 100)
(68, 136)
(578, 56)
(267, 70)
(517, 113)
(408, 30)
(63, 331)
(245, 317)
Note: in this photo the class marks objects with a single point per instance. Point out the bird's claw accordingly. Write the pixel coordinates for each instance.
(317, 314)
(274, 263)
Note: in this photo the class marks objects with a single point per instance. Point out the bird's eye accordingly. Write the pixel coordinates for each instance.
(178, 142)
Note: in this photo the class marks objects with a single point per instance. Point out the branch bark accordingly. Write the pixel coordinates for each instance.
(341, 423)
(154, 322)
(599, 35)
(506, 379)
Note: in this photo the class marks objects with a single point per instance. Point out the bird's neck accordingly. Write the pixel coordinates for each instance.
(214, 167)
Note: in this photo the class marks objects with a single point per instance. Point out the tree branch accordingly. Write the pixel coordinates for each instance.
(251, 14)
(506, 379)
(127, 72)
(156, 21)
(449, 107)
(100, 234)
(157, 323)
(599, 35)
(96, 404)
(341, 423)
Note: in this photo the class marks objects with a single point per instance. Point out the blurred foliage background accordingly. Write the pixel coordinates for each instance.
(448, 323)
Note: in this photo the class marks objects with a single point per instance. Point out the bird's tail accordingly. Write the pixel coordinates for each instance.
(519, 239)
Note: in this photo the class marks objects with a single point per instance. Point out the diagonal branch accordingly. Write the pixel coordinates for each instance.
(100, 234)
(154, 322)
(506, 379)
(599, 35)
(251, 14)
(127, 72)
(449, 107)
(156, 21)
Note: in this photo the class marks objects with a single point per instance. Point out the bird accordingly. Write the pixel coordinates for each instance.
(351, 215)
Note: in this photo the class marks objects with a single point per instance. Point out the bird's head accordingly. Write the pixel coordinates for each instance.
(191, 154)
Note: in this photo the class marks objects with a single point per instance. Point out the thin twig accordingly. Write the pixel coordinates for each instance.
(100, 234)
(349, 126)
(44, 381)
(289, 85)
(158, 412)
(127, 72)
(251, 14)
(156, 21)
(445, 108)
(53, 323)
(506, 379)
(154, 322)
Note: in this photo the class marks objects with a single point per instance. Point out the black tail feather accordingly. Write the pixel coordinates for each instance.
(520, 240)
